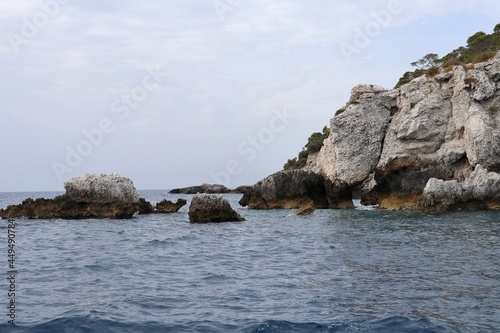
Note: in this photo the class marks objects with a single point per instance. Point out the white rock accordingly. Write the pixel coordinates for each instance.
(101, 188)
(481, 185)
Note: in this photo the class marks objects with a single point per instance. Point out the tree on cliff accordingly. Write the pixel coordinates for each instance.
(428, 61)
(313, 145)
(496, 30)
(480, 47)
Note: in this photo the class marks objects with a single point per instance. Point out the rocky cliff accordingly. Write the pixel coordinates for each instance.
(432, 133)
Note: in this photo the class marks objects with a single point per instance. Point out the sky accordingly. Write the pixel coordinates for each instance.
(179, 93)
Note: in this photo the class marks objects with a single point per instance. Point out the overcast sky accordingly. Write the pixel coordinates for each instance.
(177, 93)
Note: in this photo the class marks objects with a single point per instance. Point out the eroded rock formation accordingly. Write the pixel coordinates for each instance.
(166, 206)
(481, 190)
(433, 127)
(91, 196)
(388, 144)
(293, 189)
(207, 208)
(101, 188)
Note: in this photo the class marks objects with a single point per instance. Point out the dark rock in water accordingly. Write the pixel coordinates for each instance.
(306, 209)
(292, 189)
(166, 206)
(145, 207)
(89, 196)
(241, 189)
(66, 208)
(206, 208)
(205, 188)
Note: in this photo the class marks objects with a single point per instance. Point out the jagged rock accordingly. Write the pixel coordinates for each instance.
(353, 148)
(204, 188)
(166, 206)
(293, 188)
(206, 208)
(480, 190)
(90, 196)
(145, 207)
(386, 145)
(66, 208)
(101, 188)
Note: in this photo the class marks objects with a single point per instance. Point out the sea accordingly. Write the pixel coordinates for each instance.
(361, 270)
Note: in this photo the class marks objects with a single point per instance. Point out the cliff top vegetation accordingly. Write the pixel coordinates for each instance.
(313, 145)
(480, 47)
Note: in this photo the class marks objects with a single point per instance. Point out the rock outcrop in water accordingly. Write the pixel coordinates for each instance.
(91, 196)
(481, 190)
(432, 133)
(206, 208)
(293, 189)
(166, 206)
(204, 188)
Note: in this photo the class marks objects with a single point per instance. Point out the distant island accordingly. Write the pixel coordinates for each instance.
(209, 189)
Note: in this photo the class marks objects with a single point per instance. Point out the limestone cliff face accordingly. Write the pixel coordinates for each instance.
(388, 144)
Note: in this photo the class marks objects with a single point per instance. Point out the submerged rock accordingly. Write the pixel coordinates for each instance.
(306, 209)
(206, 208)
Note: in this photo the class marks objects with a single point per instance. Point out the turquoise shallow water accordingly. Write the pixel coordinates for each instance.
(334, 271)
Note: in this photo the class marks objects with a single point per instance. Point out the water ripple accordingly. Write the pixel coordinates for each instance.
(335, 271)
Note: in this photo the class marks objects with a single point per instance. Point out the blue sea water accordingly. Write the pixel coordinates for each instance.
(335, 271)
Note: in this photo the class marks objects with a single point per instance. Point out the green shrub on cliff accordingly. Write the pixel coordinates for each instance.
(480, 47)
(494, 108)
(313, 145)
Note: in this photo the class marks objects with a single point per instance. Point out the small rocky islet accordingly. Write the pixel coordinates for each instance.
(97, 196)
